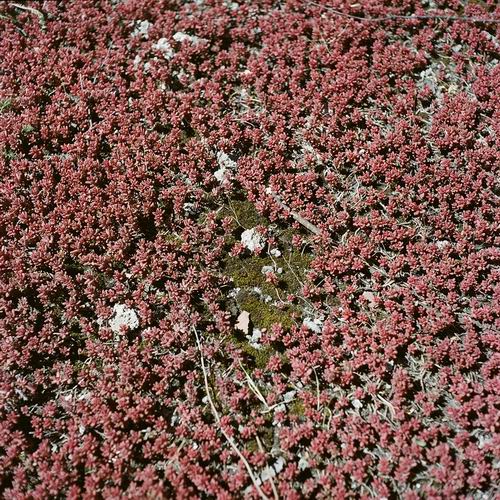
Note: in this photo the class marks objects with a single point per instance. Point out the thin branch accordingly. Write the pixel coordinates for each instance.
(253, 387)
(308, 225)
(271, 480)
(215, 413)
(31, 10)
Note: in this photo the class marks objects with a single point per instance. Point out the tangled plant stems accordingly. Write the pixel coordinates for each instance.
(249, 249)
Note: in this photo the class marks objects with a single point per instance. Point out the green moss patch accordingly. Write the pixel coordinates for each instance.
(247, 272)
(263, 315)
(5, 104)
(244, 214)
(259, 357)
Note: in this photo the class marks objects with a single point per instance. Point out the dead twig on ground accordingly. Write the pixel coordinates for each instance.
(217, 418)
(308, 225)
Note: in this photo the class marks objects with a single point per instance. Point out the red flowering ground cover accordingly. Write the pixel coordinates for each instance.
(352, 351)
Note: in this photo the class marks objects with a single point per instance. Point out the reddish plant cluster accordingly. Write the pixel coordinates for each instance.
(114, 117)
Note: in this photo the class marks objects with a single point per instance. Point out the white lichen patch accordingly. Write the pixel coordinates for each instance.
(225, 161)
(313, 324)
(184, 37)
(123, 316)
(142, 29)
(254, 339)
(225, 164)
(220, 174)
(252, 240)
(163, 46)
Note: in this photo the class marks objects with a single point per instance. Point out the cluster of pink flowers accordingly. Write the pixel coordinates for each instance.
(114, 117)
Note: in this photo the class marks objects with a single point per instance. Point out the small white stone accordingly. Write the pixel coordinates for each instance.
(123, 316)
(220, 174)
(243, 322)
(165, 48)
(252, 240)
(141, 29)
(224, 161)
(183, 37)
(357, 404)
(314, 325)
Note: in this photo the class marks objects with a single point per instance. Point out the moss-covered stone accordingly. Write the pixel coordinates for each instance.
(260, 298)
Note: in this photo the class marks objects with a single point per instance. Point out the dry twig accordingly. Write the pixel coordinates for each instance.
(215, 413)
(308, 225)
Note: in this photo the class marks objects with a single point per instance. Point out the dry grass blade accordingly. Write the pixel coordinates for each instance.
(215, 413)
